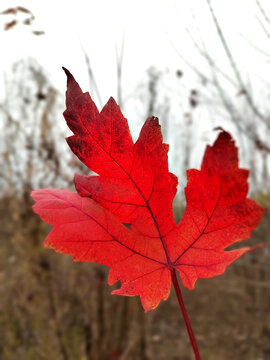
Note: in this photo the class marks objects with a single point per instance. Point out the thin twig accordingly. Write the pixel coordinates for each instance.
(263, 12)
(119, 68)
(92, 80)
(254, 46)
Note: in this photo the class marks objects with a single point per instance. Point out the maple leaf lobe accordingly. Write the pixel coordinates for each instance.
(217, 214)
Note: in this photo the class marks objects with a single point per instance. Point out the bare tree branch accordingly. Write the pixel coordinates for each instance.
(238, 76)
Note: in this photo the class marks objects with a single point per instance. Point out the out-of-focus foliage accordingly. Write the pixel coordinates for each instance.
(53, 308)
(33, 152)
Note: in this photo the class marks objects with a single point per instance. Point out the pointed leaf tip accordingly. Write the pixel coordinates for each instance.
(68, 73)
(73, 88)
(225, 135)
(112, 101)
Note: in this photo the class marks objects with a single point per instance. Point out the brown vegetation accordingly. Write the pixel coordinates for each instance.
(53, 308)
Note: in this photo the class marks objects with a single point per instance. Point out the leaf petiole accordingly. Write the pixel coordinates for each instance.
(185, 315)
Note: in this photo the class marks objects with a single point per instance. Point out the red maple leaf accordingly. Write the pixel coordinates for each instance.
(134, 186)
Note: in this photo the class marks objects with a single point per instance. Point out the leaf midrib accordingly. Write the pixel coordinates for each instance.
(169, 262)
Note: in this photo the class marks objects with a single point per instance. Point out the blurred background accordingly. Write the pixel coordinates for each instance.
(195, 65)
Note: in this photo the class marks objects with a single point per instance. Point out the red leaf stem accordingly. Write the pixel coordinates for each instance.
(185, 315)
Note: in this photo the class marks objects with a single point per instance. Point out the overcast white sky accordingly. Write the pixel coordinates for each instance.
(153, 30)
(150, 27)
